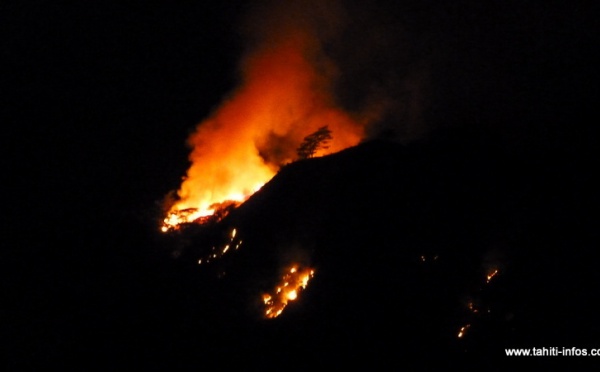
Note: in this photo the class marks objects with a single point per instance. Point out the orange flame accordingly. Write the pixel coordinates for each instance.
(220, 252)
(463, 330)
(291, 284)
(286, 94)
(491, 274)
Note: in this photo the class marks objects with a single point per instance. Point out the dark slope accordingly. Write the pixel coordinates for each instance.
(99, 99)
(401, 238)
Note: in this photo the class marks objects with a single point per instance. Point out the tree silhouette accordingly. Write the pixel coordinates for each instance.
(314, 142)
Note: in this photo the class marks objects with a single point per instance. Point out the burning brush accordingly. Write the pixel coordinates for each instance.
(217, 211)
(292, 282)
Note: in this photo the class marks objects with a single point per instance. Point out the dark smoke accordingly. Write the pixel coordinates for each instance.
(377, 63)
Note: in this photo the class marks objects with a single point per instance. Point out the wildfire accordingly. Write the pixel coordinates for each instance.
(472, 307)
(463, 330)
(217, 212)
(215, 253)
(491, 274)
(286, 94)
(294, 280)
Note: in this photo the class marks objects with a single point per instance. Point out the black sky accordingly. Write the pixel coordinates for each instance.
(113, 73)
(120, 86)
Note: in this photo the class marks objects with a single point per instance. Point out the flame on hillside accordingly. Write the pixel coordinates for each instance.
(288, 289)
(286, 93)
(216, 252)
(463, 330)
(490, 275)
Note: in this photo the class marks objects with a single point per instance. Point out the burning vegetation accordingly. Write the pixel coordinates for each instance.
(462, 331)
(476, 307)
(285, 94)
(232, 244)
(491, 274)
(293, 281)
(283, 110)
(176, 218)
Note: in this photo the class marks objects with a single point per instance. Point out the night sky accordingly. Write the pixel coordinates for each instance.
(98, 99)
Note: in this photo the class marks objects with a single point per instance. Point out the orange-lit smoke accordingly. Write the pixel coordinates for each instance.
(286, 94)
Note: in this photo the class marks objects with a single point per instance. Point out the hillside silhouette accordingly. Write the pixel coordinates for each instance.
(402, 238)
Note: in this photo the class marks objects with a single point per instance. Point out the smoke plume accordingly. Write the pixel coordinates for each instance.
(305, 66)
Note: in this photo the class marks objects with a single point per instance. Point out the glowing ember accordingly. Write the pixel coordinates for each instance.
(292, 283)
(423, 258)
(490, 275)
(463, 330)
(218, 253)
(472, 307)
